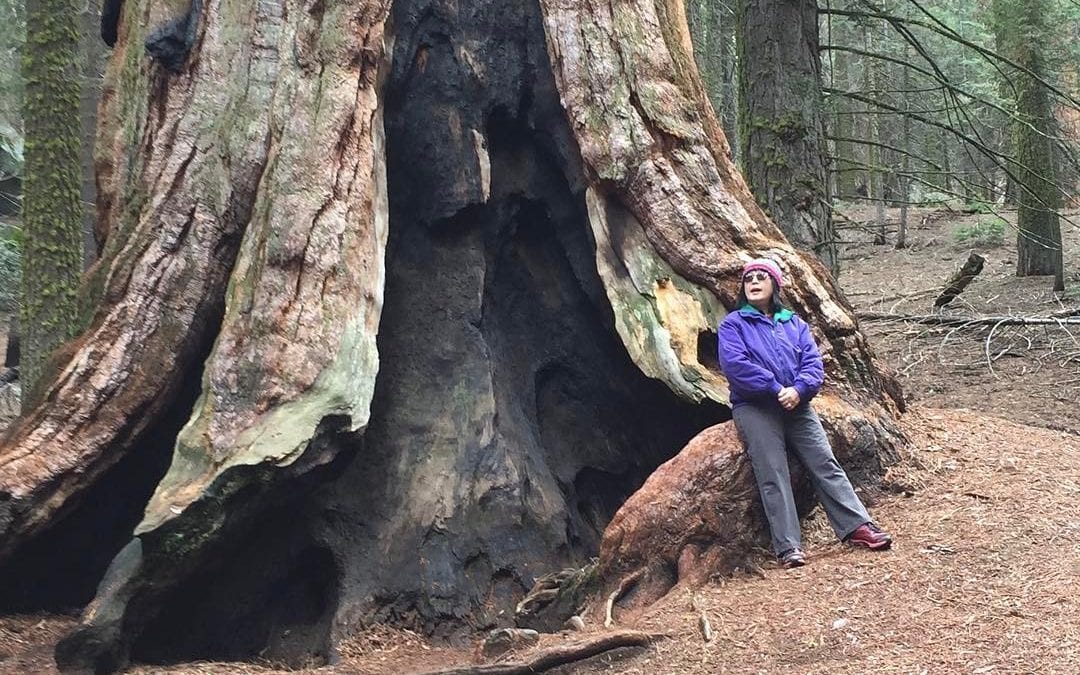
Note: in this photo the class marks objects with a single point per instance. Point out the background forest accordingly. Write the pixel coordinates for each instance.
(922, 103)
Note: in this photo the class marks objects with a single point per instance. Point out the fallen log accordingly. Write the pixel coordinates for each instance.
(960, 279)
(545, 659)
(940, 320)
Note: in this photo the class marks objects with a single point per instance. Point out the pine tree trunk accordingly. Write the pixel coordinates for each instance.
(946, 161)
(729, 116)
(1038, 240)
(711, 30)
(846, 156)
(875, 179)
(559, 230)
(52, 214)
(781, 131)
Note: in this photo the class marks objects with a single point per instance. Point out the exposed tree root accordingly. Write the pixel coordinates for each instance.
(561, 655)
(624, 585)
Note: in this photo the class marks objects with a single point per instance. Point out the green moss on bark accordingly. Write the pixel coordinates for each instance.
(52, 213)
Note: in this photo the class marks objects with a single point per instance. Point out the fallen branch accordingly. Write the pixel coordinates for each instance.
(941, 320)
(989, 338)
(898, 296)
(561, 655)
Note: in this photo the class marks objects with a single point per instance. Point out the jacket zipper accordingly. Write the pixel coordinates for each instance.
(780, 361)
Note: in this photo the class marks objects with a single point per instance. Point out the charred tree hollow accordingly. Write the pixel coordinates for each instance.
(503, 389)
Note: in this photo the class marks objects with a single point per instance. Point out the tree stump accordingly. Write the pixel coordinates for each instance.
(960, 279)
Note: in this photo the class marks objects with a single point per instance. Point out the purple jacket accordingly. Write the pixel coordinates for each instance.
(760, 356)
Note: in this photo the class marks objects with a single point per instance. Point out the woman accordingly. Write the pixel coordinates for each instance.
(773, 369)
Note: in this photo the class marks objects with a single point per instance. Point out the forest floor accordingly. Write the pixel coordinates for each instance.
(1023, 373)
(985, 573)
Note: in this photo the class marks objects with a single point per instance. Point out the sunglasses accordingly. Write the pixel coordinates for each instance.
(755, 276)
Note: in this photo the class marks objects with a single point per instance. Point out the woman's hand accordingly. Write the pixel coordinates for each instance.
(789, 398)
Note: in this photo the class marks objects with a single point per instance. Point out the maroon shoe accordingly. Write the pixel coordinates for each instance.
(870, 536)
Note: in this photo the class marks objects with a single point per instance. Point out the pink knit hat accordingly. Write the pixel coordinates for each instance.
(768, 266)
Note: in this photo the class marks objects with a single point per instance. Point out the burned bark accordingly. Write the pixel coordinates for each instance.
(565, 229)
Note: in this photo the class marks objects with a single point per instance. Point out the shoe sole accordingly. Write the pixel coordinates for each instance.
(884, 546)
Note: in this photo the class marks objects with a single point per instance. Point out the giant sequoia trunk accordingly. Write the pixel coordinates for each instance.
(422, 386)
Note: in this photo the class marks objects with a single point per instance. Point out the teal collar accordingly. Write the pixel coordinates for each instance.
(784, 314)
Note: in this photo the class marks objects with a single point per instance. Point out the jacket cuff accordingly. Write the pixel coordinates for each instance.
(775, 388)
(805, 392)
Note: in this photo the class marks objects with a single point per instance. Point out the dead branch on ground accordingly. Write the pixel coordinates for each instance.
(560, 655)
(961, 321)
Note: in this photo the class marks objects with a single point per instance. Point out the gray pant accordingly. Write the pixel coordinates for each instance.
(769, 432)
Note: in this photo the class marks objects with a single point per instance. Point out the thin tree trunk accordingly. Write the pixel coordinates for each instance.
(729, 57)
(946, 160)
(844, 126)
(875, 179)
(712, 34)
(905, 165)
(92, 69)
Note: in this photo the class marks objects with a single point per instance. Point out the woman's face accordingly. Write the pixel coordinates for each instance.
(758, 286)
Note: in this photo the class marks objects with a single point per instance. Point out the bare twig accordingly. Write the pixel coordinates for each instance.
(989, 337)
(953, 35)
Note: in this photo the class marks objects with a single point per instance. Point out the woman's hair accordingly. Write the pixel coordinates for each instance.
(741, 301)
